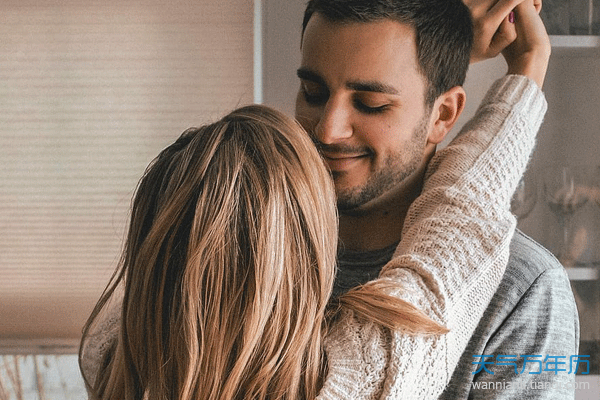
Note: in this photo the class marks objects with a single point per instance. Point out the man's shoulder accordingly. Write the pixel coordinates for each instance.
(534, 278)
(530, 262)
(532, 275)
(532, 312)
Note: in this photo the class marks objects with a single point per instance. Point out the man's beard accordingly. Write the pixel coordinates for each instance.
(390, 175)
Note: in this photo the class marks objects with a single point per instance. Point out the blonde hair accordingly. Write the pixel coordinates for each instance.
(228, 268)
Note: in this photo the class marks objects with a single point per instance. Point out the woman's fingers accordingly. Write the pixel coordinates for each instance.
(492, 28)
(529, 53)
(504, 36)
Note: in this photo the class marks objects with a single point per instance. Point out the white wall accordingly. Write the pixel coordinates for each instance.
(282, 26)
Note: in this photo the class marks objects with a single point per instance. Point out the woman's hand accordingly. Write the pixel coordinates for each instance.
(529, 53)
(515, 29)
(492, 27)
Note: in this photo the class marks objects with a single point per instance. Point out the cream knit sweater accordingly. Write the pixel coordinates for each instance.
(449, 263)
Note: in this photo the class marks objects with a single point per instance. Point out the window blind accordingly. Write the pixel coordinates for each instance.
(90, 92)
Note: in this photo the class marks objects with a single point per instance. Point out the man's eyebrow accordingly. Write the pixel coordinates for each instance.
(307, 74)
(371, 86)
(359, 86)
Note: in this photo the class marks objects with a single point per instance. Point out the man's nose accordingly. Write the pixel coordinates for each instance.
(335, 123)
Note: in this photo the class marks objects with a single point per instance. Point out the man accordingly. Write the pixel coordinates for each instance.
(377, 104)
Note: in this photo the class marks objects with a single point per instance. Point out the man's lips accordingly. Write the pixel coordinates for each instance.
(342, 161)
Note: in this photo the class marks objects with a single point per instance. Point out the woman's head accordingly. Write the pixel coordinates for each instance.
(228, 266)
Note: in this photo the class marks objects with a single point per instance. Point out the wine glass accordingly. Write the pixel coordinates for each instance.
(524, 198)
(565, 193)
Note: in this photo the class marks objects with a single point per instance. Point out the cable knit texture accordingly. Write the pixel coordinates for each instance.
(450, 260)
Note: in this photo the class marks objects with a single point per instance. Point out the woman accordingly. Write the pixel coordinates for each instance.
(228, 267)
(229, 264)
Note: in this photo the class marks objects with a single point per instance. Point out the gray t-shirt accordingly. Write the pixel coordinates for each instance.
(532, 313)
(358, 267)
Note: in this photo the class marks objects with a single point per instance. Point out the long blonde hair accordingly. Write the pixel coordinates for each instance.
(228, 269)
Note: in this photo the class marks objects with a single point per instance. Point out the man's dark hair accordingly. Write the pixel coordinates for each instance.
(444, 33)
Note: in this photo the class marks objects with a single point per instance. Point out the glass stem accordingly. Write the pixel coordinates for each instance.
(565, 256)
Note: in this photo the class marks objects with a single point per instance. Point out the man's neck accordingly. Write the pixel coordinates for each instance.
(379, 225)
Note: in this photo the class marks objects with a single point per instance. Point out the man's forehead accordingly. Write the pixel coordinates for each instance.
(344, 28)
(363, 55)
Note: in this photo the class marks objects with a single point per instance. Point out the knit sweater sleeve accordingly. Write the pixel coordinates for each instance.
(451, 258)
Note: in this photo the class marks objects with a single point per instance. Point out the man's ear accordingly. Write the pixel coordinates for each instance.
(446, 110)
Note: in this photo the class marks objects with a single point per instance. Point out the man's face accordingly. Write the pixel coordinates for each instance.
(362, 98)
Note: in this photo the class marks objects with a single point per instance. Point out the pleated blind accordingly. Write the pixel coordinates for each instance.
(90, 92)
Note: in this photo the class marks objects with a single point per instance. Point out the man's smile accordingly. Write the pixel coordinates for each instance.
(342, 161)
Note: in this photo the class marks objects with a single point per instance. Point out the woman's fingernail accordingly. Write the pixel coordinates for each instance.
(511, 17)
